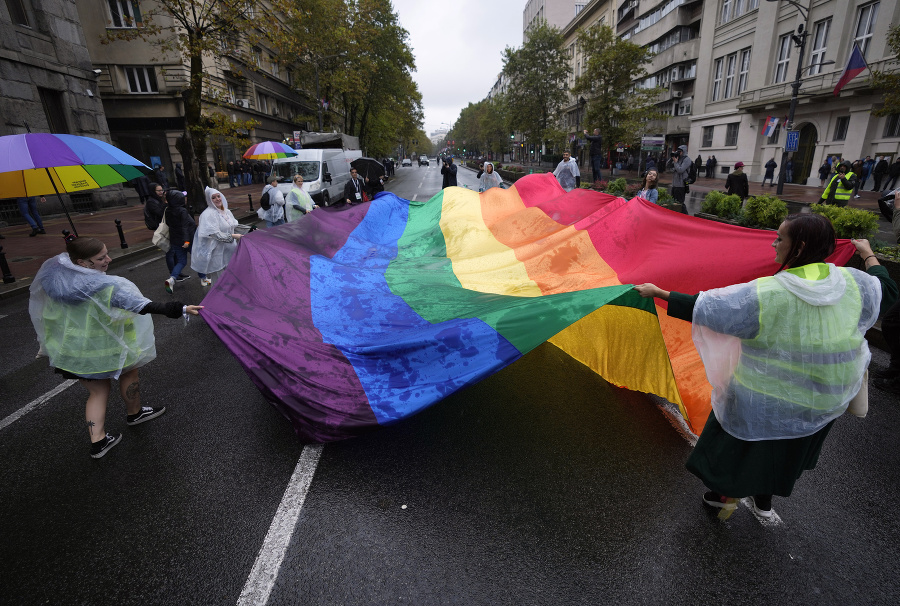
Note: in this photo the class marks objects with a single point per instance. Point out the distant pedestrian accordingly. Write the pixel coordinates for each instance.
(651, 163)
(179, 176)
(28, 210)
(868, 165)
(879, 172)
(893, 174)
(161, 177)
(680, 164)
(649, 191)
(789, 171)
(154, 207)
(736, 183)
(181, 233)
(857, 168)
(709, 167)
(596, 153)
(216, 240)
(448, 170)
(698, 164)
(144, 187)
(567, 173)
(274, 215)
(94, 328)
(232, 174)
(770, 166)
(823, 173)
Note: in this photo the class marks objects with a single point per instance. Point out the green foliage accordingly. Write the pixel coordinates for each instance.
(764, 211)
(849, 222)
(664, 198)
(617, 187)
(721, 205)
(889, 82)
(614, 105)
(481, 127)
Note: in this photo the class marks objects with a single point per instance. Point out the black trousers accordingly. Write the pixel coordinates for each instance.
(890, 329)
(678, 193)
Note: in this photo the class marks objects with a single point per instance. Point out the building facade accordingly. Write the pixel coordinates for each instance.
(557, 13)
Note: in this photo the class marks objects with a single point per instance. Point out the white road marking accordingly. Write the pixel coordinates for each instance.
(35, 403)
(154, 260)
(265, 570)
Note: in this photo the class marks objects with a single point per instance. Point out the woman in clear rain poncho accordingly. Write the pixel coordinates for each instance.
(94, 328)
(490, 178)
(785, 355)
(215, 241)
(298, 202)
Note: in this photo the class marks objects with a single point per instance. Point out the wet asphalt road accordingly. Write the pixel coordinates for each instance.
(540, 485)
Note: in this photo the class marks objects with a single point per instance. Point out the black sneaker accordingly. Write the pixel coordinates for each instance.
(891, 385)
(714, 499)
(98, 449)
(182, 278)
(146, 413)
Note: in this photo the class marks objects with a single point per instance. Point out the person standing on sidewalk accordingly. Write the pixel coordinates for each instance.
(736, 183)
(771, 165)
(868, 165)
(95, 328)
(680, 165)
(709, 167)
(29, 212)
(840, 187)
(596, 153)
(698, 164)
(789, 171)
(880, 170)
(893, 174)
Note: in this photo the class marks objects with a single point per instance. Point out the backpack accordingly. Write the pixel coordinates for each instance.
(264, 201)
(692, 174)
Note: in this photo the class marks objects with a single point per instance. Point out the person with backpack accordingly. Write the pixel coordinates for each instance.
(682, 166)
(271, 203)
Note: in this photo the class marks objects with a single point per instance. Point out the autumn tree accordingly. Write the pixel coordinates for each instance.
(615, 104)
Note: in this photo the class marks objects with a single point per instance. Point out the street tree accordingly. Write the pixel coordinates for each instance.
(616, 105)
(889, 81)
(537, 74)
(192, 32)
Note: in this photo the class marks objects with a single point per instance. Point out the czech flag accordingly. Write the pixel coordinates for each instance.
(855, 66)
(770, 126)
(353, 318)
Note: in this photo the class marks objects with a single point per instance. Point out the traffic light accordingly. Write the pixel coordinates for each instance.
(512, 135)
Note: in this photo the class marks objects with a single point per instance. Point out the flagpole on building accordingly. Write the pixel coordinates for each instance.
(800, 40)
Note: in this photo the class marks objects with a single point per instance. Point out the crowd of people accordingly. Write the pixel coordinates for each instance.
(248, 172)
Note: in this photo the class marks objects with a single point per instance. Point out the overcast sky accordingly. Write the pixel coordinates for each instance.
(458, 48)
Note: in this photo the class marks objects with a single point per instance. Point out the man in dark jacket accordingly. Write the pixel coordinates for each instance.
(894, 174)
(232, 174)
(596, 152)
(880, 170)
(154, 207)
(354, 189)
(181, 232)
(449, 171)
(680, 164)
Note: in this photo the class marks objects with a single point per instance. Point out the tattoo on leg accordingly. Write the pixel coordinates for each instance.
(133, 391)
(91, 427)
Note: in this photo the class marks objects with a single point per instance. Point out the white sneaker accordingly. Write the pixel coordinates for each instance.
(205, 282)
(856, 196)
(170, 285)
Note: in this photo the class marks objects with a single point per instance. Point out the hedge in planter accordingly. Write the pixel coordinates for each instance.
(849, 222)
(764, 211)
(722, 205)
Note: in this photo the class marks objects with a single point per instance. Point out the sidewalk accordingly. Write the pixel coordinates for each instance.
(25, 254)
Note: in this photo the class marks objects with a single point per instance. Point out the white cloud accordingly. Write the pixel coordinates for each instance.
(458, 48)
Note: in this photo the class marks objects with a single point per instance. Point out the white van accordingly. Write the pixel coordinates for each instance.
(325, 172)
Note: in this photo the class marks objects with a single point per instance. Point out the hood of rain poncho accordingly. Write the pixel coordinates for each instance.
(785, 355)
(492, 179)
(297, 197)
(87, 322)
(212, 250)
(566, 172)
(276, 204)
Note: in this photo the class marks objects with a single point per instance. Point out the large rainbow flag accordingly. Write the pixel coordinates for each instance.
(354, 318)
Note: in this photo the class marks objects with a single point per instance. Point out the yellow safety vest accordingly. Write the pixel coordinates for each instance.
(840, 194)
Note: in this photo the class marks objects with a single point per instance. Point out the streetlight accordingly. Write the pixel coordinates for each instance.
(799, 40)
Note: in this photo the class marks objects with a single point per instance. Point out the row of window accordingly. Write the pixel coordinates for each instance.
(841, 129)
(732, 9)
(728, 70)
(731, 135)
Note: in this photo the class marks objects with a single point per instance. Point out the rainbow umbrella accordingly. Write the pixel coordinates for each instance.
(39, 164)
(269, 150)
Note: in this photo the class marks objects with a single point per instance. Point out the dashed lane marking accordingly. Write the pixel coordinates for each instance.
(36, 403)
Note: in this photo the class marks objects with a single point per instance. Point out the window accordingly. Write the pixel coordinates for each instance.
(124, 13)
(784, 58)
(232, 93)
(729, 75)
(732, 9)
(745, 70)
(841, 126)
(864, 26)
(256, 57)
(17, 12)
(773, 139)
(54, 109)
(731, 134)
(820, 39)
(717, 80)
(726, 10)
(684, 108)
(141, 80)
(262, 103)
(892, 126)
(276, 71)
(707, 136)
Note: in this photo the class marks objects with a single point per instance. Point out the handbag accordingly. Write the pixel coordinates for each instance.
(859, 405)
(161, 235)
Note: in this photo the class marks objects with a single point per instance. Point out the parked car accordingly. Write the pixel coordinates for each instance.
(406, 162)
(423, 161)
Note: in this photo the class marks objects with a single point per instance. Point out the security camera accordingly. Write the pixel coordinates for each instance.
(98, 71)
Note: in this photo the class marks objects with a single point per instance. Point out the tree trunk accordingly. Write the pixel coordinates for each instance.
(192, 143)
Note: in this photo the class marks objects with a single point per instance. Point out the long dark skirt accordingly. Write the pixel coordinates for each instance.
(737, 468)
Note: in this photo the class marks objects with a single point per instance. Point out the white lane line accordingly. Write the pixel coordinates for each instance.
(153, 260)
(265, 570)
(35, 403)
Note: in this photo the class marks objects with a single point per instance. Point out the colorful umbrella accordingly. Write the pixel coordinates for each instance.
(269, 150)
(39, 164)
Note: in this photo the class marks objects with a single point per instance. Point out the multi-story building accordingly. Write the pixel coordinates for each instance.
(748, 62)
(141, 87)
(47, 83)
(557, 13)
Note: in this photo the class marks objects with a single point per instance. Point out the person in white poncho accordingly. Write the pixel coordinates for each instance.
(785, 355)
(298, 202)
(94, 328)
(567, 173)
(215, 241)
(489, 178)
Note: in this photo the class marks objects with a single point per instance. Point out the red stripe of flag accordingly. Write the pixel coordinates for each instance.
(855, 66)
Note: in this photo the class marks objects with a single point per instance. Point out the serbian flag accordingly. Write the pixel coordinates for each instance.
(855, 66)
(770, 126)
(354, 318)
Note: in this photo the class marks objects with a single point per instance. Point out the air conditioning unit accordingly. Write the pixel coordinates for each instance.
(245, 103)
(676, 94)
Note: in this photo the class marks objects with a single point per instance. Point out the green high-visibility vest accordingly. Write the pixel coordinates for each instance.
(840, 194)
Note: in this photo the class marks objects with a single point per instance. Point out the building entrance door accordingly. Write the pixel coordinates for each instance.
(803, 158)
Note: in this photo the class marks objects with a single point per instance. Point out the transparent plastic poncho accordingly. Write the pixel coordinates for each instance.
(215, 241)
(785, 354)
(490, 179)
(87, 322)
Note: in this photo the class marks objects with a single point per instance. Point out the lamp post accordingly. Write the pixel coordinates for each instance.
(799, 40)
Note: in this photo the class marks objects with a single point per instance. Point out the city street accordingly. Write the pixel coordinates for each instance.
(542, 484)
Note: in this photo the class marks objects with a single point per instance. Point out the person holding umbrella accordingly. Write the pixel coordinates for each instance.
(94, 328)
(355, 189)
